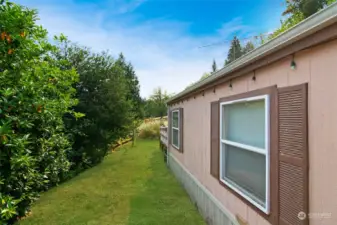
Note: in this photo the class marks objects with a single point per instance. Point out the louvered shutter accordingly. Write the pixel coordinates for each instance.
(215, 154)
(293, 155)
(169, 131)
(181, 130)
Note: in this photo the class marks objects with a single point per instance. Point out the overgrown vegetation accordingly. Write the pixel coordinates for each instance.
(150, 128)
(298, 10)
(60, 107)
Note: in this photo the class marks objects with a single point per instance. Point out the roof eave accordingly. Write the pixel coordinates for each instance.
(307, 27)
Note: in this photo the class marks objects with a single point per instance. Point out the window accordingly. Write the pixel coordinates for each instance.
(244, 148)
(175, 129)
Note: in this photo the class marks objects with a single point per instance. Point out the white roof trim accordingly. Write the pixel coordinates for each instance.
(314, 23)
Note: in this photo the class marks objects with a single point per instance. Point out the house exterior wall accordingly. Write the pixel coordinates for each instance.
(316, 66)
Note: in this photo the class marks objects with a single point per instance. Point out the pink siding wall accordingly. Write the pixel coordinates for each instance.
(318, 67)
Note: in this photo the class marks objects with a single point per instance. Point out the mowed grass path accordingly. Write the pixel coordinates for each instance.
(131, 187)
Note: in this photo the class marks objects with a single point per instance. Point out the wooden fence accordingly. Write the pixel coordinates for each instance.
(163, 136)
(163, 142)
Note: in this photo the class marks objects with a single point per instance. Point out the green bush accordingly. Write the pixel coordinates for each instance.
(35, 93)
(61, 107)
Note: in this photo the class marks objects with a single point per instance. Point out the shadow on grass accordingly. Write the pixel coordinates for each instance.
(162, 200)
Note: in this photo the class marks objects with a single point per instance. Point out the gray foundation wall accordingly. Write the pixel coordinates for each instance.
(209, 207)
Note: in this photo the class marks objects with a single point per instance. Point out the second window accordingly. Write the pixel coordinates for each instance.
(175, 129)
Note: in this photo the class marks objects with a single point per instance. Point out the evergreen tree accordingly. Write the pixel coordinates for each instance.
(133, 94)
(235, 51)
(214, 67)
(133, 87)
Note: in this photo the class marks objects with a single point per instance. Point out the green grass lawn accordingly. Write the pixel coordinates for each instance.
(132, 186)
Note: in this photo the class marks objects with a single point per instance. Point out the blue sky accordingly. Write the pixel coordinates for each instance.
(160, 37)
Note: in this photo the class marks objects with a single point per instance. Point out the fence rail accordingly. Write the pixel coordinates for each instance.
(163, 135)
(163, 142)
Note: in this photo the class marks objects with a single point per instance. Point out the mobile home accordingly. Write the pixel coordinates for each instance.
(256, 142)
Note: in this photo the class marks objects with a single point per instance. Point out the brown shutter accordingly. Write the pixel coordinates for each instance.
(169, 131)
(181, 130)
(215, 123)
(293, 155)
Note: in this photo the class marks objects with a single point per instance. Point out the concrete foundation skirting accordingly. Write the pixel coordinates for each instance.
(209, 207)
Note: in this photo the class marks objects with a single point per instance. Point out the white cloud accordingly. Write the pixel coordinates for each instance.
(235, 26)
(124, 7)
(162, 52)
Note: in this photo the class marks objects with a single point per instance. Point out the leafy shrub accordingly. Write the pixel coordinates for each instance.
(61, 107)
(35, 93)
(297, 11)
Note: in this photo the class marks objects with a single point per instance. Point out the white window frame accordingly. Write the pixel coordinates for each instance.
(265, 151)
(175, 128)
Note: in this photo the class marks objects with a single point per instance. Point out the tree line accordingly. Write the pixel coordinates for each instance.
(155, 105)
(61, 106)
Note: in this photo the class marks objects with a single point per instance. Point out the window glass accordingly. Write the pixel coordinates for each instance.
(242, 168)
(244, 123)
(175, 137)
(246, 170)
(175, 120)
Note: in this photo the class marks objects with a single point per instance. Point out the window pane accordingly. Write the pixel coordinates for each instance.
(175, 138)
(245, 123)
(175, 119)
(246, 170)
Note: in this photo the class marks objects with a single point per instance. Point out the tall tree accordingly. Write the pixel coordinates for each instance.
(214, 67)
(235, 51)
(156, 104)
(133, 87)
(248, 47)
